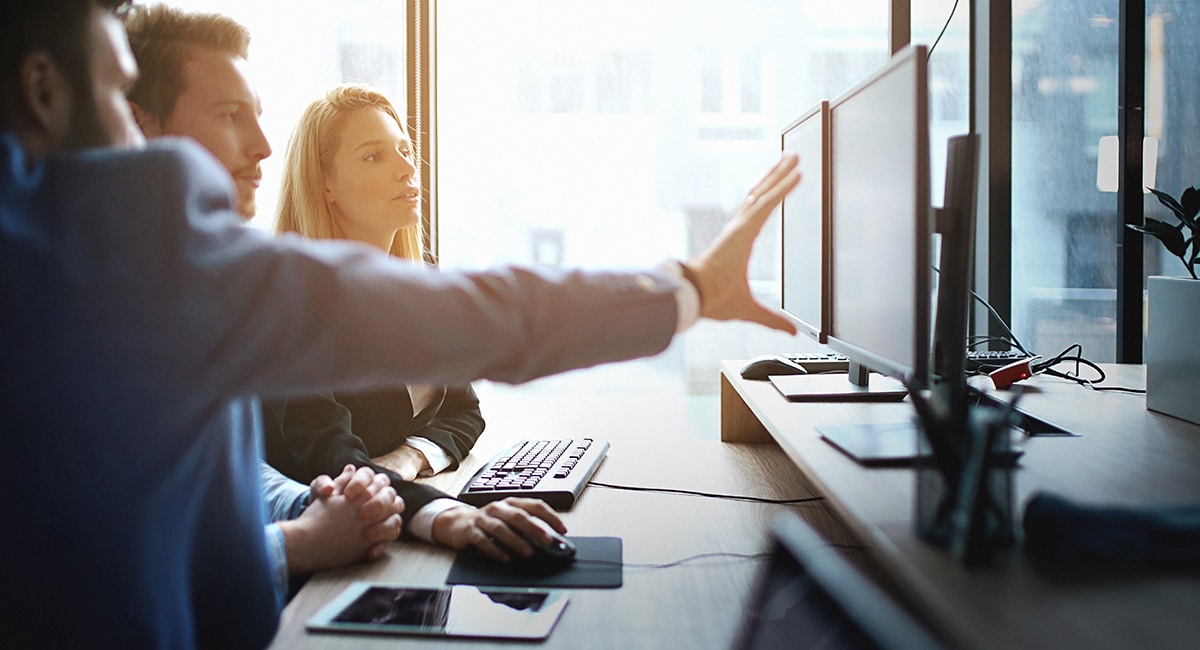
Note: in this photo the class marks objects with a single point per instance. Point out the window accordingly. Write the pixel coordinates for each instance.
(616, 134)
(949, 83)
(1065, 64)
(590, 134)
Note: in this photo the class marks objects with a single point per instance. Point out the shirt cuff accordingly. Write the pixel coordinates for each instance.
(277, 554)
(284, 498)
(421, 525)
(687, 296)
(437, 457)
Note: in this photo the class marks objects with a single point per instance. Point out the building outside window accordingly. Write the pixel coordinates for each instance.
(1065, 62)
(622, 133)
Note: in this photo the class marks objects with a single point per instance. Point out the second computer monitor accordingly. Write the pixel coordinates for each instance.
(805, 217)
(880, 214)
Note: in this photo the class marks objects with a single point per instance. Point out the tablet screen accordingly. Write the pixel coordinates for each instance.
(460, 610)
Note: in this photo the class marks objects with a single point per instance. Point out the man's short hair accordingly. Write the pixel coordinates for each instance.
(161, 38)
(58, 28)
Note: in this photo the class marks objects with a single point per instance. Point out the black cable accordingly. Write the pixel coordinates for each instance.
(996, 315)
(849, 547)
(940, 34)
(1012, 337)
(668, 565)
(730, 497)
(980, 339)
(1047, 367)
(701, 556)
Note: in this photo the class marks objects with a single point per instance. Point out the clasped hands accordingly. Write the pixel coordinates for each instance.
(351, 517)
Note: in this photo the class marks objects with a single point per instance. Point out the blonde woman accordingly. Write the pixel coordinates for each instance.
(349, 174)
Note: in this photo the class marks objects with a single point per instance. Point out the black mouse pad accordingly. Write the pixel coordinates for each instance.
(598, 564)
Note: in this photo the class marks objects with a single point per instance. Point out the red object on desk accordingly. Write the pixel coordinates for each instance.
(1012, 373)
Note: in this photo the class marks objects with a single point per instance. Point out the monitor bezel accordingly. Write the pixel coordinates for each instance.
(818, 331)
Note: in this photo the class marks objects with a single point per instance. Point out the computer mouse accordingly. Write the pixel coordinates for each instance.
(765, 365)
(559, 554)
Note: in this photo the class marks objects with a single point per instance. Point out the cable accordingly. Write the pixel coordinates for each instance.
(730, 497)
(1012, 337)
(940, 34)
(668, 565)
(1047, 367)
(702, 556)
(980, 339)
(705, 557)
(1007, 329)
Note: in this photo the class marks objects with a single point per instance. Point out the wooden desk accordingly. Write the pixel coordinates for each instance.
(1126, 455)
(695, 605)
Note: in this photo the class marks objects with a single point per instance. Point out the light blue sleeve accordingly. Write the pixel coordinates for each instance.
(277, 554)
(284, 498)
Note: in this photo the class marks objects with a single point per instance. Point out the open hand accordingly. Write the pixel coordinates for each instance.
(720, 272)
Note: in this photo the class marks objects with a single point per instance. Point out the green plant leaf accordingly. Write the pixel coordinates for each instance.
(1170, 202)
(1189, 201)
(1170, 236)
(1185, 208)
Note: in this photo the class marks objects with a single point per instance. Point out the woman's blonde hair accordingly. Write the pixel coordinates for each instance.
(309, 159)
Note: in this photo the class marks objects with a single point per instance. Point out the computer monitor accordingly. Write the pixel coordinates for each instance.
(810, 596)
(881, 234)
(955, 222)
(805, 218)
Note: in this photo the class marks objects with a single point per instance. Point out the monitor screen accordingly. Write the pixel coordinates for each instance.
(805, 216)
(879, 145)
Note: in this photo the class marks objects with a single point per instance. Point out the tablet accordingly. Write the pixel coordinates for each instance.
(455, 611)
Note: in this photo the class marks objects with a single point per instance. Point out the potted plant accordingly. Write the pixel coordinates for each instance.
(1172, 356)
(1185, 246)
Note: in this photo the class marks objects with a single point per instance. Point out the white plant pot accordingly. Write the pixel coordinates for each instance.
(1173, 347)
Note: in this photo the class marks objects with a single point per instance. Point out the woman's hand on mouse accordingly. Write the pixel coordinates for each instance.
(492, 528)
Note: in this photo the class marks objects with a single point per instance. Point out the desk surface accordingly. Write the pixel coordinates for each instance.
(1125, 455)
(696, 605)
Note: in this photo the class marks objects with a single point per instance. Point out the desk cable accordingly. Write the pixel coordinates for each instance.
(710, 495)
(701, 556)
(1047, 367)
(675, 563)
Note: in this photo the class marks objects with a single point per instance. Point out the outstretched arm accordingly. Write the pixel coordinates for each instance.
(720, 272)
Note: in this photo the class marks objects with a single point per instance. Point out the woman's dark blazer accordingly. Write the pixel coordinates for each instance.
(306, 437)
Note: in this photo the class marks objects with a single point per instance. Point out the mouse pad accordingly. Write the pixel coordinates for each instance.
(598, 564)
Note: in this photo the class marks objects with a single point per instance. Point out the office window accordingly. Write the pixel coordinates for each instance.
(593, 135)
(1065, 62)
(300, 49)
(949, 82)
(599, 135)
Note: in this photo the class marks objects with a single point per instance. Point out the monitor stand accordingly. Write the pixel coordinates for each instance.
(858, 385)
